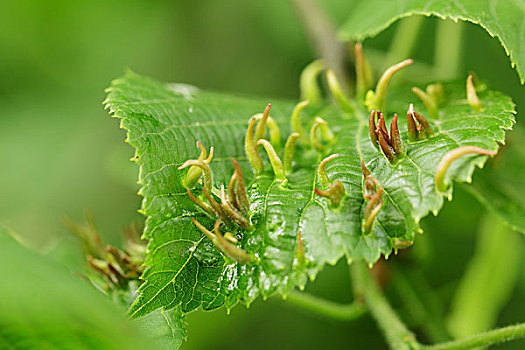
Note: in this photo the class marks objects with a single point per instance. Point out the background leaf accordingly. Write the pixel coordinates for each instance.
(503, 19)
(163, 123)
(46, 307)
(57, 58)
(498, 187)
(168, 327)
(488, 281)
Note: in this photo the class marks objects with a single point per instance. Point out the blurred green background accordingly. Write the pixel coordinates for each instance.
(61, 154)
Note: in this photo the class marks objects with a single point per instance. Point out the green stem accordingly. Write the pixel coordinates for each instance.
(326, 308)
(447, 51)
(488, 281)
(322, 31)
(396, 333)
(404, 40)
(495, 336)
(412, 296)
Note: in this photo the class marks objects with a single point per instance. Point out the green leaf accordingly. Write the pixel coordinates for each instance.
(44, 306)
(489, 279)
(503, 19)
(168, 327)
(164, 122)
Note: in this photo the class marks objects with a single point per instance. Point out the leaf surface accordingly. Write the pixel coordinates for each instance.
(166, 326)
(164, 121)
(503, 19)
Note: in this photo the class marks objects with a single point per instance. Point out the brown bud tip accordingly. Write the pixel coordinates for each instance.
(319, 192)
(395, 137)
(366, 172)
(372, 128)
(267, 109)
(385, 147)
(381, 127)
(424, 127)
(204, 153)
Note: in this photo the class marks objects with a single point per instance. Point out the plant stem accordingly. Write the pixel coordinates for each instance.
(326, 308)
(322, 32)
(447, 50)
(488, 281)
(495, 336)
(412, 295)
(396, 333)
(404, 40)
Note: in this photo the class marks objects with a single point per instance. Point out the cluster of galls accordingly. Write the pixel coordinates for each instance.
(418, 128)
(118, 267)
(390, 145)
(374, 195)
(233, 209)
(230, 205)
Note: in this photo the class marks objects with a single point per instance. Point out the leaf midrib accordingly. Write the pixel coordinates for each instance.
(172, 280)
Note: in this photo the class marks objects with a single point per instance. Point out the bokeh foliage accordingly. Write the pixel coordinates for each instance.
(61, 154)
